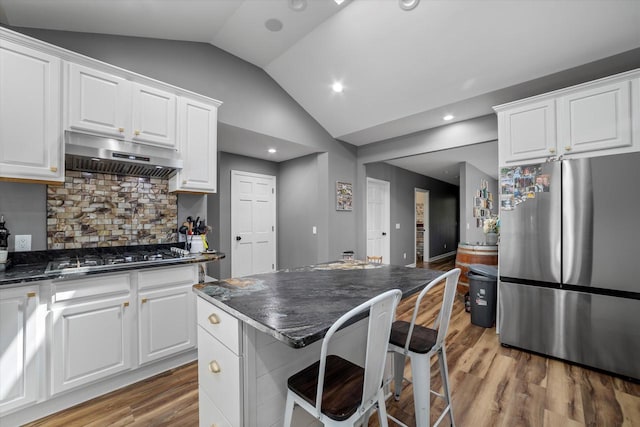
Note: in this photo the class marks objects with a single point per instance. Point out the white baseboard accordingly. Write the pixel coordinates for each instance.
(442, 256)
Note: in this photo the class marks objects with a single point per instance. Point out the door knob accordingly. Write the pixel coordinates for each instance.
(384, 234)
(238, 238)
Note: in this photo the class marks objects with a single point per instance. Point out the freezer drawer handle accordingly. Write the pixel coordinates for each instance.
(238, 238)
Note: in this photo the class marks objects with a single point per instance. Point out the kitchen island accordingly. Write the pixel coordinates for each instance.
(256, 331)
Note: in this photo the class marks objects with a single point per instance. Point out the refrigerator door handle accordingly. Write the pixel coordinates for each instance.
(577, 222)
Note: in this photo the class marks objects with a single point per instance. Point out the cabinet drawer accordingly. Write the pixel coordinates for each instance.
(91, 286)
(210, 415)
(168, 276)
(219, 376)
(220, 324)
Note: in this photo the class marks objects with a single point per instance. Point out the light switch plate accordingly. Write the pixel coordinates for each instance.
(23, 242)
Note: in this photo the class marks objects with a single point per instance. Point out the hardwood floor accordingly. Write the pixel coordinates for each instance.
(491, 386)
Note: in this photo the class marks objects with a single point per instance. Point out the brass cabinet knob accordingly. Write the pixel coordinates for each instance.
(31, 294)
(144, 300)
(552, 150)
(184, 182)
(137, 132)
(53, 169)
(126, 304)
(214, 319)
(214, 367)
(120, 130)
(567, 148)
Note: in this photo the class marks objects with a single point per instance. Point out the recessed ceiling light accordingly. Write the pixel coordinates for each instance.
(447, 117)
(95, 159)
(408, 4)
(337, 87)
(298, 5)
(273, 24)
(272, 150)
(339, 2)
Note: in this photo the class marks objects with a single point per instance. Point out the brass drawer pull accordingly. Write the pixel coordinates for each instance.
(53, 169)
(126, 304)
(214, 319)
(144, 300)
(567, 148)
(214, 367)
(31, 294)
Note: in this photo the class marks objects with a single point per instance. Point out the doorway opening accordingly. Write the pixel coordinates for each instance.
(421, 198)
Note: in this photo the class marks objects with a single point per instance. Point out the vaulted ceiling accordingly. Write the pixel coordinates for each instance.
(402, 70)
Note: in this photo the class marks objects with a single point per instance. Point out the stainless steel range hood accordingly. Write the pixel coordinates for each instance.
(91, 153)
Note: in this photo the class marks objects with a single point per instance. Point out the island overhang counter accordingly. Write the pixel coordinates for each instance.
(256, 331)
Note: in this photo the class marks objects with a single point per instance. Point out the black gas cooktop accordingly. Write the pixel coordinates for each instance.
(70, 264)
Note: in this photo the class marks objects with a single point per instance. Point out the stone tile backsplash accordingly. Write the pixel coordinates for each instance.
(96, 210)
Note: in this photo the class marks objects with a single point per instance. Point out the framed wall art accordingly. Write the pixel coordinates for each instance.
(344, 196)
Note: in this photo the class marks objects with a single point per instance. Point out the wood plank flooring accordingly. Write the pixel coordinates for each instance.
(491, 386)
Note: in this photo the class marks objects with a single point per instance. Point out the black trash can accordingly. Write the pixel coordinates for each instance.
(483, 283)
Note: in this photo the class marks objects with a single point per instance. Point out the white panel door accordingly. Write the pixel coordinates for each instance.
(30, 119)
(18, 348)
(154, 116)
(378, 217)
(253, 223)
(90, 341)
(98, 102)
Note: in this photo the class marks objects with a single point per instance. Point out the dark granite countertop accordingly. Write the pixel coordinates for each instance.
(27, 267)
(298, 306)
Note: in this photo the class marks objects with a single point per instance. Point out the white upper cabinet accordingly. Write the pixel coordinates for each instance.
(98, 102)
(590, 119)
(198, 144)
(530, 130)
(595, 119)
(154, 116)
(107, 104)
(30, 119)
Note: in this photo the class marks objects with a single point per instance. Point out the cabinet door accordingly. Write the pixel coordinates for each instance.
(197, 142)
(98, 102)
(154, 116)
(167, 323)
(91, 340)
(527, 132)
(19, 345)
(595, 119)
(30, 120)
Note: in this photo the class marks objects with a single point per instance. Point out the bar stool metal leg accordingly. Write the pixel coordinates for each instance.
(444, 373)
(421, 370)
(398, 373)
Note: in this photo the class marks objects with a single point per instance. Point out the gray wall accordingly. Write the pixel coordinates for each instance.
(481, 129)
(219, 206)
(24, 207)
(470, 178)
(443, 212)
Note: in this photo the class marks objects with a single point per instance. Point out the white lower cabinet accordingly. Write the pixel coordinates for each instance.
(219, 367)
(21, 341)
(166, 312)
(92, 331)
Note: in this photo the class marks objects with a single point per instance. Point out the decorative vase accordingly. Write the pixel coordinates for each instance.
(491, 239)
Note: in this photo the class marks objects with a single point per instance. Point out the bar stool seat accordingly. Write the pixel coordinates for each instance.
(338, 392)
(419, 343)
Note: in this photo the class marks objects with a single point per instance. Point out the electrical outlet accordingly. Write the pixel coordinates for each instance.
(445, 246)
(23, 242)
(404, 255)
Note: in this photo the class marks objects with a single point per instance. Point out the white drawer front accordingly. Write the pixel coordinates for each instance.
(210, 415)
(219, 376)
(91, 286)
(168, 276)
(220, 324)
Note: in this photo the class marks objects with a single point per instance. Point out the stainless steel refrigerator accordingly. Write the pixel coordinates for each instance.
(569, 258)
